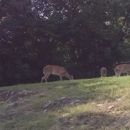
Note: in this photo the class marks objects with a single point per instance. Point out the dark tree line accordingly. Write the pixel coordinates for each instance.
(81, 35)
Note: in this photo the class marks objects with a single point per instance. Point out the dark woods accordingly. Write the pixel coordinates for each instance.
(80, 35)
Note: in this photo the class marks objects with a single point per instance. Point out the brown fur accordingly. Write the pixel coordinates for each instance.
(123, 68)
(103, 72)
(55, 70)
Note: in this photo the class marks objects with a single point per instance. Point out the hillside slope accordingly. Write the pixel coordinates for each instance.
(86, 104)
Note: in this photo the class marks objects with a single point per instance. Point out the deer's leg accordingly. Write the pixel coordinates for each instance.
(127, 73)
(46, 77)
(60, 77)
(43, 78)
(118, 74)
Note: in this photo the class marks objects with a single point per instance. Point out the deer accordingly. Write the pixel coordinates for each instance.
(55, 70)
(103, 72)
(123, 68)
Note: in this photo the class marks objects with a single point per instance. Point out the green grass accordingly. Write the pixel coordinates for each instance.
(105, 105)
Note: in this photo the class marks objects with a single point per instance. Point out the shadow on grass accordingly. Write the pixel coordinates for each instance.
(95, 121)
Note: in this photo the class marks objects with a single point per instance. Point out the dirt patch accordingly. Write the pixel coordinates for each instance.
(95, 120)
(122, 120)
(63, 101)
(9, 116)
(13, 95)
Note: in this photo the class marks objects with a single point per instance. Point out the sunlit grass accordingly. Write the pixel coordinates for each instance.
(75, 110)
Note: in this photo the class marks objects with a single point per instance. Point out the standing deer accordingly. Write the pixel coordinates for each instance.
(123, 68)
(103, 72)
(55, 70)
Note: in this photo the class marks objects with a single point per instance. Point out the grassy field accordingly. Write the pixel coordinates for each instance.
(86, 104)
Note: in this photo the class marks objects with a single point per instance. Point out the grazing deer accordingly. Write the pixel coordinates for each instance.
(103, 72)
(55, 70)
(123, 68)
